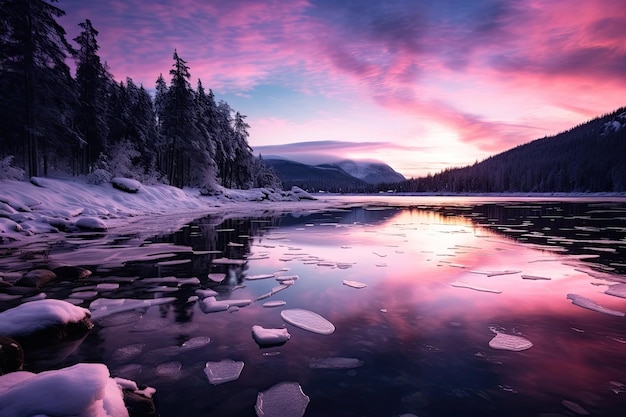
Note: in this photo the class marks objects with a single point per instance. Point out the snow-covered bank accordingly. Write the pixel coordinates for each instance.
(47, 206)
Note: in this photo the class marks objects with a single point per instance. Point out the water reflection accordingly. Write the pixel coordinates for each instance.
(423, 341)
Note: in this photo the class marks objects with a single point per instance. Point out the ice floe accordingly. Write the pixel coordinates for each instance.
(260, 276)
(354, 284)
(535, 278)
(285, 399)
(335, 363)
(307, 320)
(589, 304)
(103, 307)
(496, 273)
(216, 277)
(461, 284)
(223, 371)
(269, 337)
(211, 305)
(617, 290)
(509, 342)
(277, 303)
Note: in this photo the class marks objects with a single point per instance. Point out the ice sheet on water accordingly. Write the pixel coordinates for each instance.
(277, 303)
(169, 369)
(354, 284)
(196, 342)
(269, 337)
(228, 261)
(103, 307)
(307, 320)
(285, 399)
(461, 284)
(535, 277)
(147, 325)
(107, 286)
(217, 277)
(617, 290)
(589, 304)
(126, 353)
(119, 319)
(206, 293)
(259, 276)
(335, 363)
(223, 371)
(510, 342)
(211, 305)
(496, 273)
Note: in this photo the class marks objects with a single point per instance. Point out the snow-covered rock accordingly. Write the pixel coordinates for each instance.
(82, 390)
(126, 184)
(42, 315)
(91, 224)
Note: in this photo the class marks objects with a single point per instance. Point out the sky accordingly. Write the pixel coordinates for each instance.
(421, 85)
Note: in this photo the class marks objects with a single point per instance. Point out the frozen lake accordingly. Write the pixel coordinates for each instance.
(415, 289)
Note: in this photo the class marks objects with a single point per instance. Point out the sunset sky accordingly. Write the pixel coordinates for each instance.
(421, 85)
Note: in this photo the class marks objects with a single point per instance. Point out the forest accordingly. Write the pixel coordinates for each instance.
(586, 158)
(88, 124)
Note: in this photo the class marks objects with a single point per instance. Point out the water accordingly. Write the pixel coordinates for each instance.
(441, 275)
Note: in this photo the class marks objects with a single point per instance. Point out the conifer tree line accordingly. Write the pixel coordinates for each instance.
(90, 124)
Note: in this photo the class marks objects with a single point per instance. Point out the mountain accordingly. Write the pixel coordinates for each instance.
(343, 176)
(370, 172)
(586, 158)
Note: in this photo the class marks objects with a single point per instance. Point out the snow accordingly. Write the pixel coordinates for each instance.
(307, 320)
(82, 390)
(269, 337)
(285, 399)
(126, 184)
(589, 304)
(211, 305)
(50, 205)
(91, 223)
(223, 371)
(32, 316)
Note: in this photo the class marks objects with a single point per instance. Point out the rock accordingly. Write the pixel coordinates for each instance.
(139, 405)
(36, 278)
(71, 273)
(126, 184)
(92, 224)
(11, 355)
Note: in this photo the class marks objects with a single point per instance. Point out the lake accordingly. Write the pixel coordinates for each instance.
(416, 288)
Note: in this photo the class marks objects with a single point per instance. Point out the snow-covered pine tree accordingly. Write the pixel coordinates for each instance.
(36, 85)
(93, 83)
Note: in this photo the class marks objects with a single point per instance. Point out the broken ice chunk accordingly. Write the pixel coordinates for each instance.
(217, 277)
(169, 369)
(535, 277)
(510, 342)
(460, 284)
(589, 304)
(285, 399)
(196, 342)
(307, 320)
(211, 305)
(260, 276)
(223, 371)
(335, 363)
(269, 337)
(617, 290)
(354, 284)
(277, 303)
(206, 293)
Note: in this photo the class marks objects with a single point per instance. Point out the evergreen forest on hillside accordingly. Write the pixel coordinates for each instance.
(590, 157)
(90, 124)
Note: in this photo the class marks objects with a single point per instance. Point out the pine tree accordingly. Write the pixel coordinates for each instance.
(93, 84)
(36, 81)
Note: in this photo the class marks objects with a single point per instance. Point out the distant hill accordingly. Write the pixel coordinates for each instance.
(343, 176)
(590, 157)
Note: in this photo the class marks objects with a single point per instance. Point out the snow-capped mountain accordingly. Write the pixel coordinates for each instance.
(370, 172)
